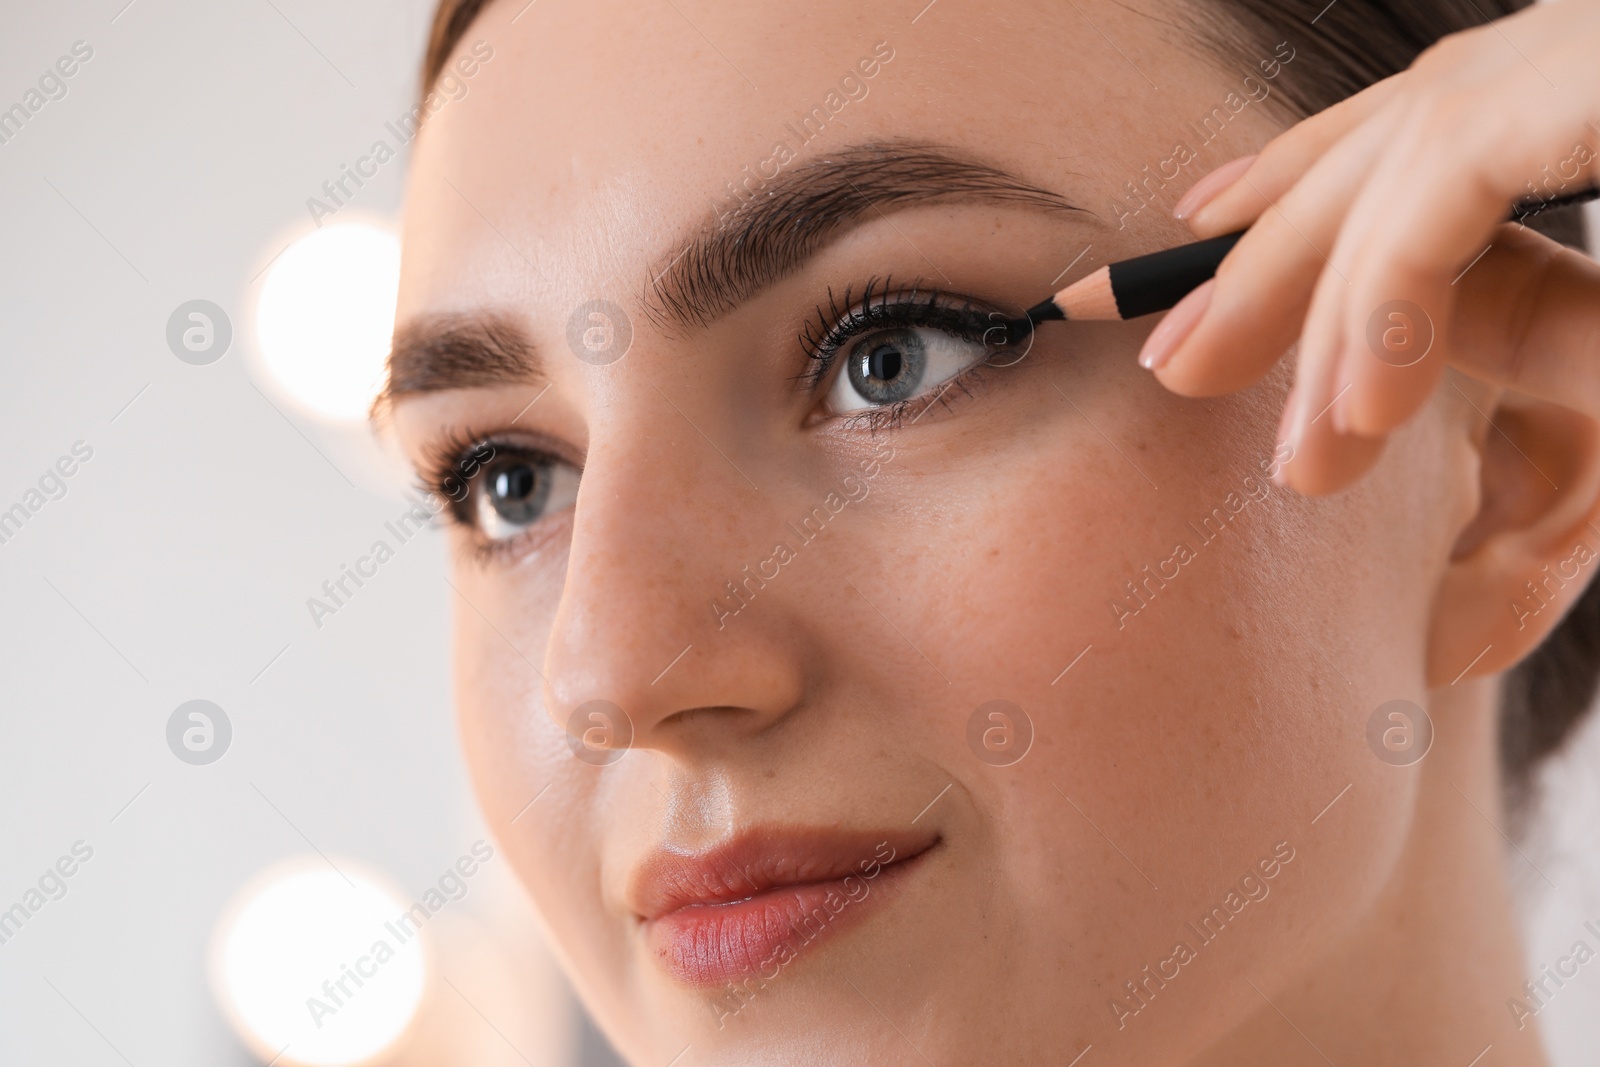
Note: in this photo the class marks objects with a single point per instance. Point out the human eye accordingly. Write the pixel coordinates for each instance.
(898, 350)
(499, 489)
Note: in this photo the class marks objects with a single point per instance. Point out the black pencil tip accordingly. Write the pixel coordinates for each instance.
(1017, 329)
(1045, 311)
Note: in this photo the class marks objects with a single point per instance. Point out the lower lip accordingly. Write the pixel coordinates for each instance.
(714, 944)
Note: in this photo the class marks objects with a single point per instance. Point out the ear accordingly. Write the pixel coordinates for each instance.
(1531, 547)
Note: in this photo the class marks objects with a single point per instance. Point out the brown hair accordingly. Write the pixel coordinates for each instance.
(451, 20)
(1341, 48)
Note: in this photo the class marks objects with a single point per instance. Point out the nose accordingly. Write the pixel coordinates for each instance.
(642, 642)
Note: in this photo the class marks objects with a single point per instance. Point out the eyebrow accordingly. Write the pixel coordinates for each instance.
(738, 254)
(794, 215)
(466, 350)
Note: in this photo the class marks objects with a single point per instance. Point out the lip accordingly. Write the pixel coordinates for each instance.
(750, 905)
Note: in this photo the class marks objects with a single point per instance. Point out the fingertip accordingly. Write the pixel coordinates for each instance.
(1325, 462)
(1175, 327)
(1211, 186)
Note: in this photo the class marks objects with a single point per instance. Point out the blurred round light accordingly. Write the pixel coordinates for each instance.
(325, 317)
(315, 969)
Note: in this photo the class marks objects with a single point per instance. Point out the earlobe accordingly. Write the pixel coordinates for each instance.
(1531, 547)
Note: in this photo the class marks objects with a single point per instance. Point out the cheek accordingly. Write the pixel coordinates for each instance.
(1184, 727)
(502, 618)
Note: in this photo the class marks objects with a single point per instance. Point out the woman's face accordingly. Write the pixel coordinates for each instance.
(817, 536)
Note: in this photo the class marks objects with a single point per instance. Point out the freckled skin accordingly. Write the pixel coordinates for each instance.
(1187, 742)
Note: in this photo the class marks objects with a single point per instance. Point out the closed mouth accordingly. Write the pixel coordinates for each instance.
(753, 904)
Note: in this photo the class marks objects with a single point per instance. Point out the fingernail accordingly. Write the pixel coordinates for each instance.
(1280, 475)
(1340, 416)
(1207, 189)
(1291, 429)
(1178, 324)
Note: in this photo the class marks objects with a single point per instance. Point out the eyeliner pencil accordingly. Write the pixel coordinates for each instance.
(1155, 282)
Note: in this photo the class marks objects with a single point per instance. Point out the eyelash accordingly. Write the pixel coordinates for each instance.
(441, 476)
(881, 306)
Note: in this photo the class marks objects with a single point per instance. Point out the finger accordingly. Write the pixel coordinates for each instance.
(1240, 197)
(1320, 459)
(1430, 208)
(1328, 459)
(1264, 286)
(1528, 318)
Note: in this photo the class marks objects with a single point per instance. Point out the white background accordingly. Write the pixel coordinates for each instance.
(179, 563)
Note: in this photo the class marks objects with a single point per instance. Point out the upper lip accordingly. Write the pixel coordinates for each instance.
(762, 858)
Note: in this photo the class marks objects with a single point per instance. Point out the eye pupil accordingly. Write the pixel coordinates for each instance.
(517, 493)
(884, 363)
(515, 483)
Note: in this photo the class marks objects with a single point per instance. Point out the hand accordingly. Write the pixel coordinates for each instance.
(1371, 222)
